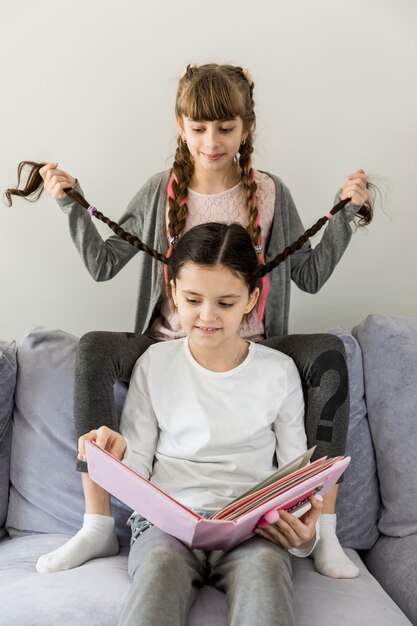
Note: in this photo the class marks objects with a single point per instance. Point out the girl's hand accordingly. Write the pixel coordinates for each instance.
(355, 188)
(290, 531)
(55, 180)
(105, 438)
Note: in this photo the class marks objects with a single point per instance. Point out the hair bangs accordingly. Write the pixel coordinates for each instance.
(211, 98)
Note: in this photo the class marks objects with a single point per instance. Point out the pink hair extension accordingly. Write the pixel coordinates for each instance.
(171, 191)
(171, 195)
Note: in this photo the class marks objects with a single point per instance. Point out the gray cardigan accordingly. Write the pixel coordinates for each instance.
(309, 267)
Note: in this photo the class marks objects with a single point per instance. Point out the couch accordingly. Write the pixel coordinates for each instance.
(41, 502)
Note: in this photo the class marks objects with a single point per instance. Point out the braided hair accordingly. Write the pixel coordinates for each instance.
(213, 93)
(34, 187)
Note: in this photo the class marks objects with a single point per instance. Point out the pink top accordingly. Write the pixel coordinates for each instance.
(228, 206)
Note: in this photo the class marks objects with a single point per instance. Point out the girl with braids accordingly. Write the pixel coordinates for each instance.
(207, 439)
(212, 179)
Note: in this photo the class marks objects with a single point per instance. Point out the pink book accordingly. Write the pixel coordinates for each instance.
(289, 488)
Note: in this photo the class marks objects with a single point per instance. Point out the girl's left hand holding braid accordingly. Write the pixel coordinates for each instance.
(55, 180)
(355, 188)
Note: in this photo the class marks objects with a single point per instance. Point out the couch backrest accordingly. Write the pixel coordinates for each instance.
(389, 346)
(8, 369)
(45, 492)
(358, 501)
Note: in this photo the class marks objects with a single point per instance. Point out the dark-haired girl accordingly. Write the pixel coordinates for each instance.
(207, 417)
(212, 179)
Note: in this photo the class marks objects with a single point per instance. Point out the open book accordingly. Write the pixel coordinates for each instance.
(289, 488)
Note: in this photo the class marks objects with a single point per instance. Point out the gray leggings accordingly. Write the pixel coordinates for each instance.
(104, 357)
(166, 577)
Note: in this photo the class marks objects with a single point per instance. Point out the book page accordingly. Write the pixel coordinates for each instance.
(293, 466)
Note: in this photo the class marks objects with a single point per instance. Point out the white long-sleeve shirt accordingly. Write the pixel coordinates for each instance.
(206, 437)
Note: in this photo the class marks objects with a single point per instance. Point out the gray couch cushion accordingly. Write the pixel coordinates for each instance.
(46, 494)
(358, 501)
(93, 594)
(389, 347)
(399, 579)
(7, 386)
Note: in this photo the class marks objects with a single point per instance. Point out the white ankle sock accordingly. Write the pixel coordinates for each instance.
(95, 539)
(329, 557)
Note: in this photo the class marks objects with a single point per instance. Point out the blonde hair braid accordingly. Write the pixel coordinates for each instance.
(250, 187)
(183, 170)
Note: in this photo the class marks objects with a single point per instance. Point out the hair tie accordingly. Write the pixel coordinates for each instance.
(190, 66)
(174, 240)
(91, 210)
(329, 215)
(247, 76)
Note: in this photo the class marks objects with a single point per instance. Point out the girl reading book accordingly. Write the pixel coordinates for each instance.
(207, 417)
(212, 179)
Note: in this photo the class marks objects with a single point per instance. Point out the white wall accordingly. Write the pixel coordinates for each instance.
(91, 84)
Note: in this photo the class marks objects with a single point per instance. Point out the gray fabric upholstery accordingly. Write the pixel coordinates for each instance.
(93, 594)
(44, 397)
(392, 561)
(44, 443)
(389, 347)
(46, 503)
(7, 386)
(358, 501)
(356, 602)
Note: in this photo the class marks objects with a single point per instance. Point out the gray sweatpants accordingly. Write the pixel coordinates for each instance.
(104, 357)
(166, 577)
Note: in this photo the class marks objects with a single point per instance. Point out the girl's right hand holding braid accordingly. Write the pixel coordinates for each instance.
(105, 438)
(55, 180)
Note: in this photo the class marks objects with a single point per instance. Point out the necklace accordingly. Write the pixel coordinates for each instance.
(239, 353)
(235, 176)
